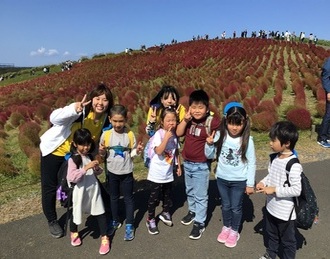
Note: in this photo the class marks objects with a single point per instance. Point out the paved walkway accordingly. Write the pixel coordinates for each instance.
(29, 237)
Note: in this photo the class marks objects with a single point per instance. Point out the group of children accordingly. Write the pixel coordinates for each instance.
(206, 138)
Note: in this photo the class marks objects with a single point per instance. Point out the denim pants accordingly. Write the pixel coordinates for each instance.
(231, 193)
(325, 125)
(197, 184)
(126, 182)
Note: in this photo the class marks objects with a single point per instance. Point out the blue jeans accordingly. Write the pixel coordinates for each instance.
(324, 130)
(197, 185)
(231, 193)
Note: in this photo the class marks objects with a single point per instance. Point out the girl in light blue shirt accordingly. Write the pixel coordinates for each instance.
(233, 148)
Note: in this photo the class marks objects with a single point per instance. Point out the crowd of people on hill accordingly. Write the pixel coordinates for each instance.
(263, 34)
(93, 130)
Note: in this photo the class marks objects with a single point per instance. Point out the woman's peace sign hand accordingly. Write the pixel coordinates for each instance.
(80, 105)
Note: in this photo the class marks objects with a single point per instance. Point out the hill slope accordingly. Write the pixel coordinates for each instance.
(270, 77)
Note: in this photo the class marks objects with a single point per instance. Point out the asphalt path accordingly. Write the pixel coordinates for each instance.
(29, 237)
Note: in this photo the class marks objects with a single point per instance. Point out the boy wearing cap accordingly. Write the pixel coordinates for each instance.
(196, 165)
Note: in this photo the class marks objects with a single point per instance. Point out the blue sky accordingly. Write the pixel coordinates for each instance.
(42, 32)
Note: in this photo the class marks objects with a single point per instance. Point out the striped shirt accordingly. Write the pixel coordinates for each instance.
(280, 204)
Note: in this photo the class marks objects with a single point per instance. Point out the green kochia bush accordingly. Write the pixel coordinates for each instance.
(16, 118)
(28, 137)
(7, 168)
(34, 163)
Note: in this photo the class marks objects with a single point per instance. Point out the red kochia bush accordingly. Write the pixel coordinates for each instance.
(266, 105)
(300, 117)
(263, 121)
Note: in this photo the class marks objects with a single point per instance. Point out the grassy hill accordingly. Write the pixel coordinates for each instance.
(274, 80)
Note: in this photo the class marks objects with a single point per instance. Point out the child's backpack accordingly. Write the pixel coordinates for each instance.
(107, 136)
(149, 152)
(305, 204)
(64, 191)
(208, 124)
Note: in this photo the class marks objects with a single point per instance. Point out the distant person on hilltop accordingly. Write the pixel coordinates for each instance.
(323, 138)
(311, 38)
(302, 36)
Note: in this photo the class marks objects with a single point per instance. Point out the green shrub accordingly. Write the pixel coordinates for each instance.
(3, 134)
(30, 130)
(16, 118)
(34, 163)
(7, 168)
(43, 111)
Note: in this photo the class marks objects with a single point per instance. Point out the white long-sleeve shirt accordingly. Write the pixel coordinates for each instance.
(62, 120)
(280, 204)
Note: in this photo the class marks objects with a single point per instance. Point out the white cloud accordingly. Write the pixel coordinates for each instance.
(51, 52)
(66, 53)
(44, 52)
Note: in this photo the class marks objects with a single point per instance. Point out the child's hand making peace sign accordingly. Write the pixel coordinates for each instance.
(210, 138)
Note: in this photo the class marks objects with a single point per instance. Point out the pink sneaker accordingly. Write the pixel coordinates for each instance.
(222, 237)
(75, 239)
(105, 245)
(232, 239)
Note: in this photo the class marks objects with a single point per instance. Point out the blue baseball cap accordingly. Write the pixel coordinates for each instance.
(231, 105)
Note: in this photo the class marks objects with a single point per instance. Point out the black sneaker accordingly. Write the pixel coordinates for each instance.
(186, 220)
(197, 231)
(265, 256)
(166, 218)
(55, 229)
(152, 227)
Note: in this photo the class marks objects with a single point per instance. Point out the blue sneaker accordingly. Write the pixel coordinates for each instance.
(323, 143)
(114, 225)
(129, 233)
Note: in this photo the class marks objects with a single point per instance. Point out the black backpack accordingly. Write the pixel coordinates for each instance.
(64, 191)
(306, 203)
